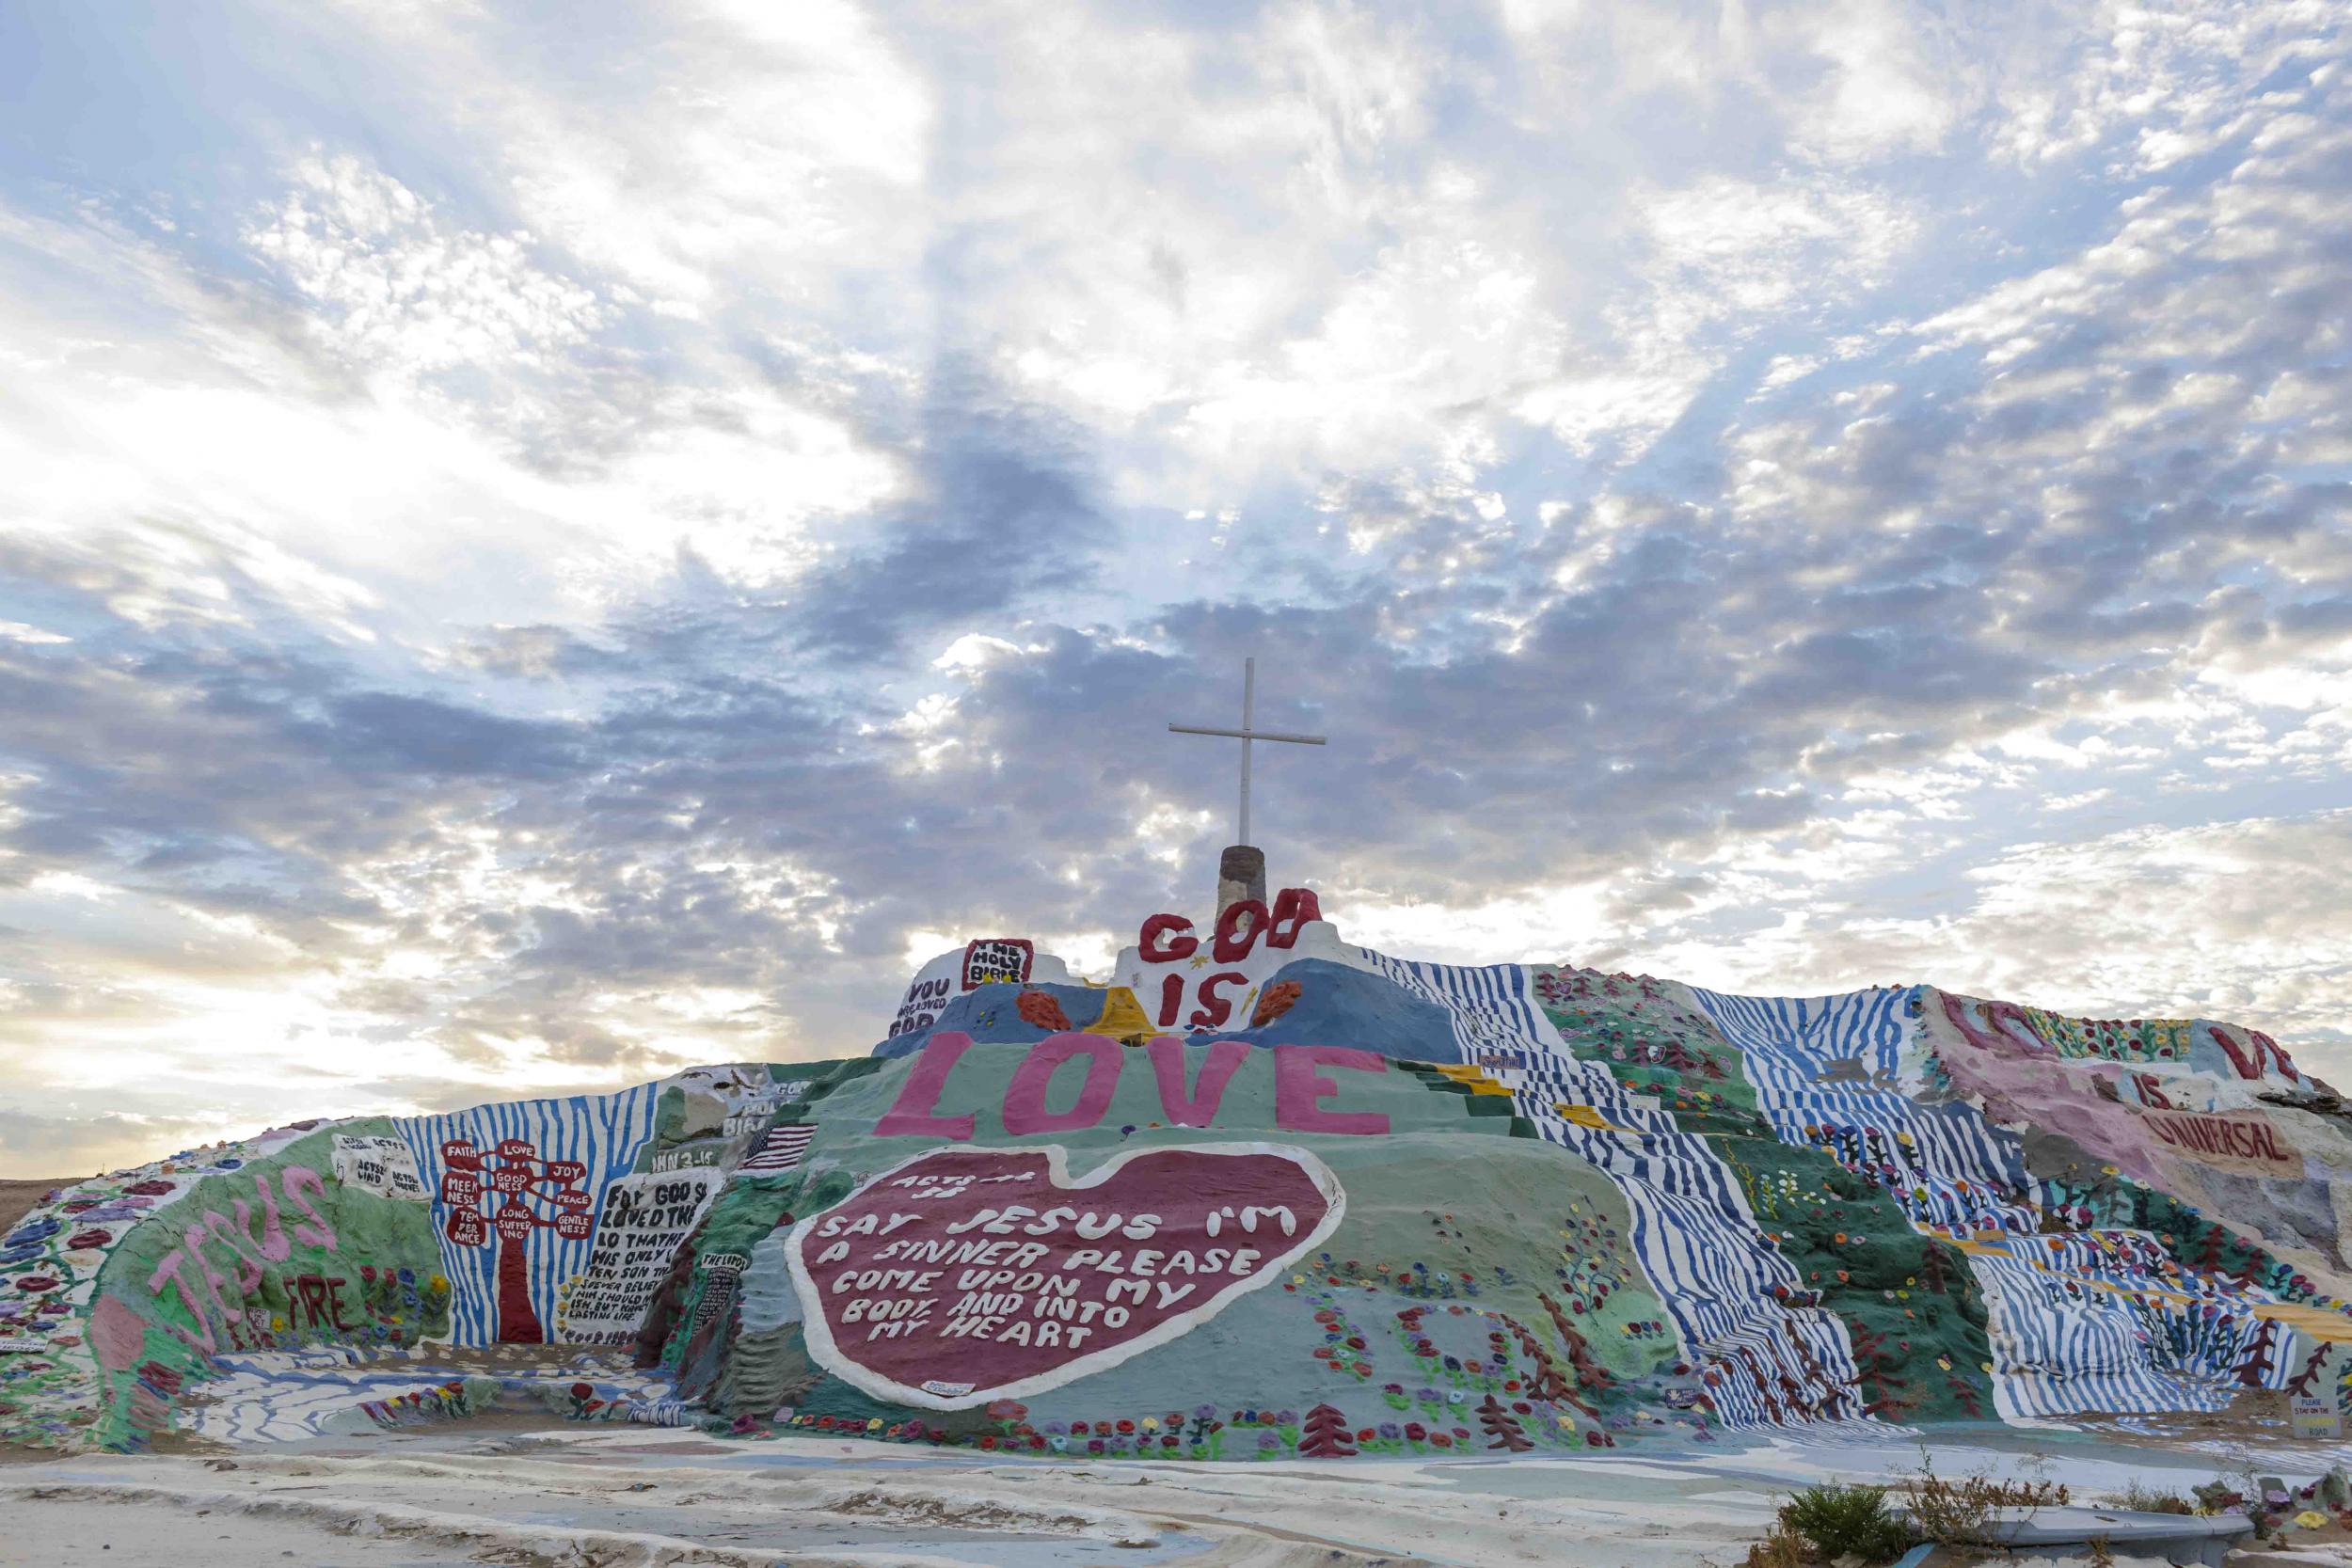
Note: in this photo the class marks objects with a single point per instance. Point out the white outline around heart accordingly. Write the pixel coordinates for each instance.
(818, 1329)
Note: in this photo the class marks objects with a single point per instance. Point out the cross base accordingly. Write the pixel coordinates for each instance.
(1240, 874)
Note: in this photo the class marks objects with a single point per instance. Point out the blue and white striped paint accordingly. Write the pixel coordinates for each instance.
(2079, 1332)
(1492, 1006)
(2080, 1321)
(601, 1132)
(1693, 1233)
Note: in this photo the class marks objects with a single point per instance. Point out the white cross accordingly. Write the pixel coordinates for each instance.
(1246, 735)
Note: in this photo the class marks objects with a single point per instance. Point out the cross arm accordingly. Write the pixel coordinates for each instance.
(1250, 734)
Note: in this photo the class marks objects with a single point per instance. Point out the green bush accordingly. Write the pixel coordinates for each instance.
(1839, 1520)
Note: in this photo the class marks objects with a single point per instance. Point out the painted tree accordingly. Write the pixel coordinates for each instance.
(514, 1193)
(1548, 1383)
(1934, 1273)
(1501, 1428)
(2255, 1365)
(2209, 1251)
(1589, 1372)
(2302, 1383)
(1325, 1435)
(1876, 1372)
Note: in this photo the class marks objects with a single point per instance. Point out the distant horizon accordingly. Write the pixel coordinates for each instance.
(537, 551)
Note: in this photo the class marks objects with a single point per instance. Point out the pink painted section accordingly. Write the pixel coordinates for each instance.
(1300, 1086)
(911, 1115)
(1025, 1096)
(1197, 1106)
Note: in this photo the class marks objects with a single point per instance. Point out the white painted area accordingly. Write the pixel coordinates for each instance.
(1195, 970)
(940, 981)
(384, 1166)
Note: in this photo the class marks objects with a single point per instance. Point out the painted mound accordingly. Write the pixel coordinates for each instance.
(1262, 1193)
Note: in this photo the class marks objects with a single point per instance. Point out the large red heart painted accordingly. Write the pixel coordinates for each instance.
(970, 1274)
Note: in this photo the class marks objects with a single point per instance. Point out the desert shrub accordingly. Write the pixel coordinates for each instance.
(1783, 1548)
(2141, 1498)
(1838, 1521)
(1960, 1512)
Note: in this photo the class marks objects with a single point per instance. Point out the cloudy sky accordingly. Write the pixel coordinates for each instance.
(540, 544)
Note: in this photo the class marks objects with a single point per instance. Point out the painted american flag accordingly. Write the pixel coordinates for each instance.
(781, 1150)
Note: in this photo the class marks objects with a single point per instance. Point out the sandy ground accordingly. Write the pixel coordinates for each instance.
(19, 1194)
(588, 1498)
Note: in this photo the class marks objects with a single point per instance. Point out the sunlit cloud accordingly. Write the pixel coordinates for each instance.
(518, 575)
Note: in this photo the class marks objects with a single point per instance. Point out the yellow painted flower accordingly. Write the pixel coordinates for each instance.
(1150, 1424)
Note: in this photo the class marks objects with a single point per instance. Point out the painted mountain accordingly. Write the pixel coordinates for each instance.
(1259, 1193)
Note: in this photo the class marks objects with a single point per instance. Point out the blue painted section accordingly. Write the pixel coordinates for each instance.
(992, 1015)
(1340, 1006)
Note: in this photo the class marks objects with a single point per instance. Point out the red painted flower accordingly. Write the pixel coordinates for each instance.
(1040, 1010)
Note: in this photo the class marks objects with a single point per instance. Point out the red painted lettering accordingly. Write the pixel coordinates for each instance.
(1293, 908)
(1156, 952)
(1238, 928)
(2266, 1049)
(1171, 999)
(1215, 1009)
